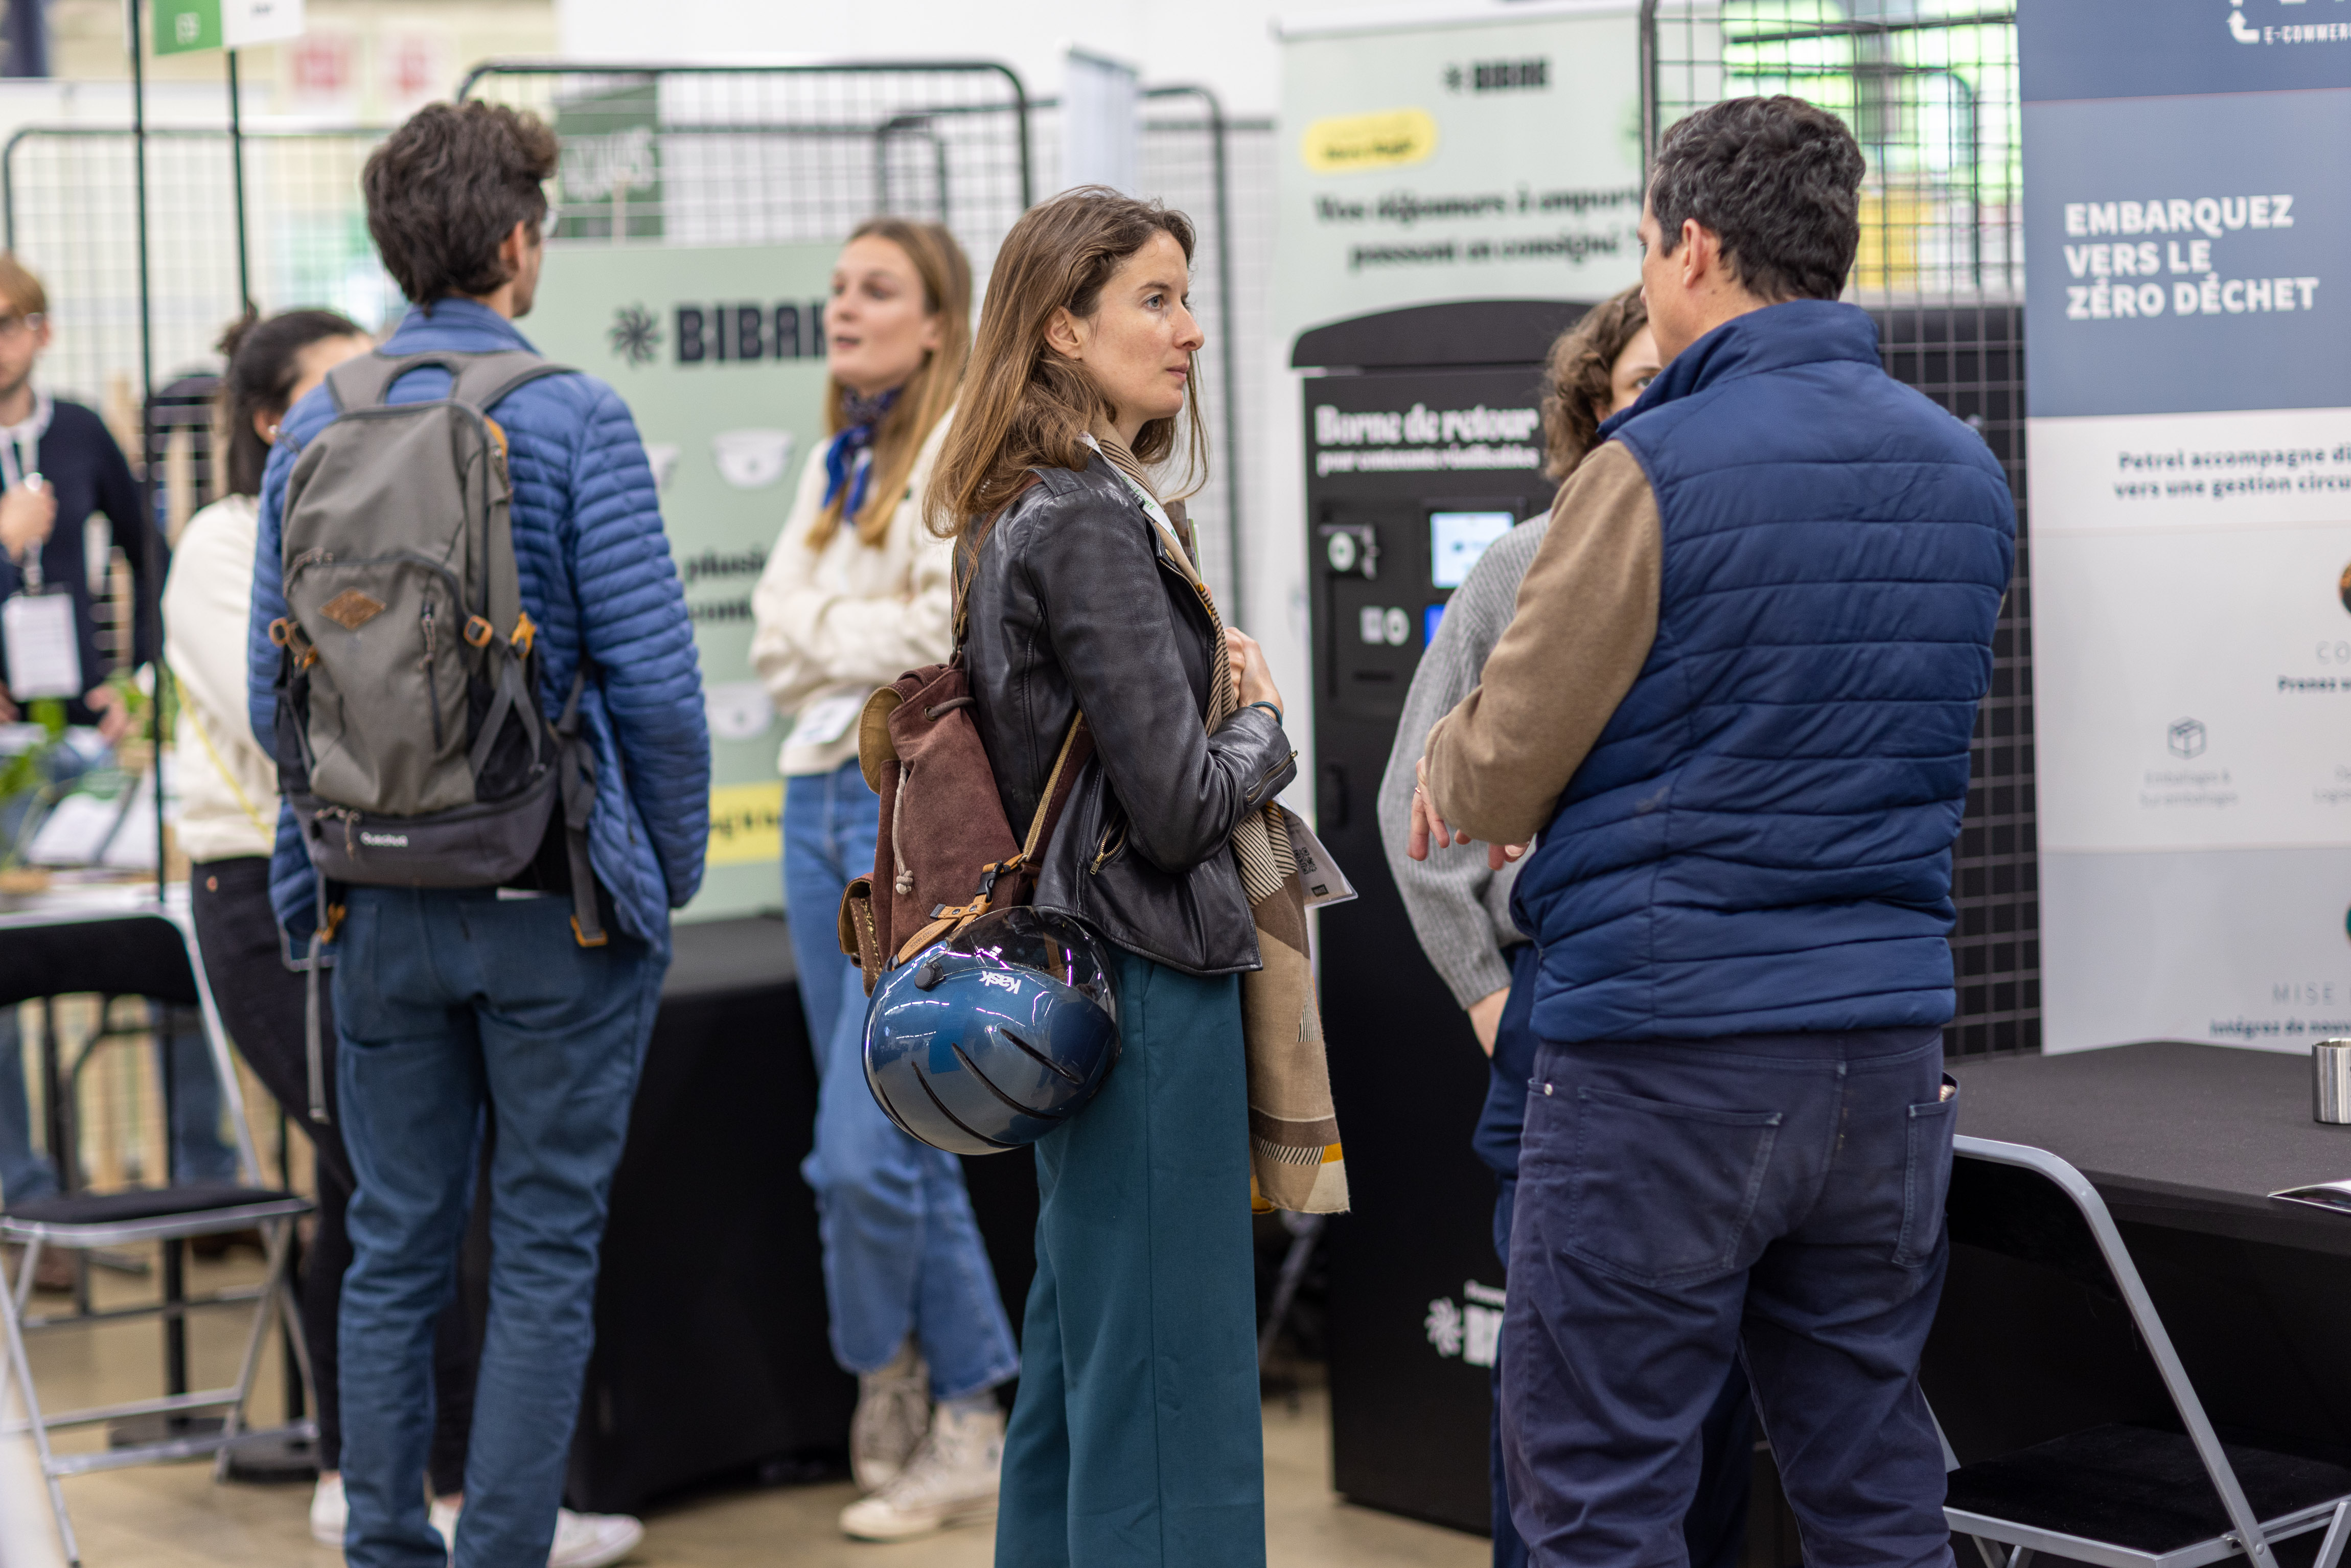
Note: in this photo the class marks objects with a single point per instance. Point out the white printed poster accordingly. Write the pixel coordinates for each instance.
(1488, 155)
(2189, 384)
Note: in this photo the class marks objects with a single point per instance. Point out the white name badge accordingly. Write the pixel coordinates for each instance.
(822, 722)
(44, 650)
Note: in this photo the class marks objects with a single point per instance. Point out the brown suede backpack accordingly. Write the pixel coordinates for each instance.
(946, 854)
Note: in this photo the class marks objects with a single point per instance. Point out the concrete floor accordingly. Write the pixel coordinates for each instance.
(174, 1516)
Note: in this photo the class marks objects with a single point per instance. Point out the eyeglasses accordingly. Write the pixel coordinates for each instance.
(549, 222)
(13, 323)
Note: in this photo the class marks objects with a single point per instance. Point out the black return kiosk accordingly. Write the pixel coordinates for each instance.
(1416, 1290)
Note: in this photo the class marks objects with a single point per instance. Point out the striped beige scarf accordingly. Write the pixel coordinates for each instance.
(1295, 1161)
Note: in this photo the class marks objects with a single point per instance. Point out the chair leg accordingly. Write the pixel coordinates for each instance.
(2330, 1549)
(22, 1367)
(1985, 1549)
(2020, 1557)
(265, 1317)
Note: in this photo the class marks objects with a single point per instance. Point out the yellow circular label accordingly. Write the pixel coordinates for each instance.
(1381, 141)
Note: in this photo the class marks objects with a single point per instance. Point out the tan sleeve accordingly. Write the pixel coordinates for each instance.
(1586, 618)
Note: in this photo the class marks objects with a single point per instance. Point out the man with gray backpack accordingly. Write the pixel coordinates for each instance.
(471, 657)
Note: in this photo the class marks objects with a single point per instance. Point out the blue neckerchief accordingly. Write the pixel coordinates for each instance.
(849, 460)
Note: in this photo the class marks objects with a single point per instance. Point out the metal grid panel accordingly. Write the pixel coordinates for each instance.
(1929, 89)
(690, 155)
(71, 215)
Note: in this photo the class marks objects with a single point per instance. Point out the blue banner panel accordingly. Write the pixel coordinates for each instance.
(2180, 254)
(2140, 48)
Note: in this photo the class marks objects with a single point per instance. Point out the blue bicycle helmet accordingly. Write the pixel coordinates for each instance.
(988, 1041)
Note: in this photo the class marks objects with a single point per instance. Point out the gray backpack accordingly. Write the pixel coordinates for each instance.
(411, 742)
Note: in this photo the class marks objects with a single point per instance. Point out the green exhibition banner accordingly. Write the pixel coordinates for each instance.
(720, 355)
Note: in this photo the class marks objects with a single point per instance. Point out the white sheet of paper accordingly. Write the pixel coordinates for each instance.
(1325, 882)
(75, 831)
(821, 723)
(44, 654)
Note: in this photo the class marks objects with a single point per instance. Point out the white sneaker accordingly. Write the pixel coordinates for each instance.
(593, 1540)
(952, 1479)
(330, 1511)
(581, 1540)
(894, 1411)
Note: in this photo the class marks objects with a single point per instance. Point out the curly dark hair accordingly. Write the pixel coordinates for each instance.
(446, 188)
(1779, 180)
(1577, 379)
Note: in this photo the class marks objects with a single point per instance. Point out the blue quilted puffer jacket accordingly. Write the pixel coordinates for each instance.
(1761, 842)
(596, 576)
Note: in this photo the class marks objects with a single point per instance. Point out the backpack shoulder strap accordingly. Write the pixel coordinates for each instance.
(361, 381)
(476, 380)
(482, 379)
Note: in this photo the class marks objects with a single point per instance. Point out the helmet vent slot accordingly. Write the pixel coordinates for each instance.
(991, 1143)
(1041, 1058)
(973, 1068)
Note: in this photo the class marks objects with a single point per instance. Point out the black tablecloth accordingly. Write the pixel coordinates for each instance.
(2184, 1142)
(711, 1363)
(2193, 1137)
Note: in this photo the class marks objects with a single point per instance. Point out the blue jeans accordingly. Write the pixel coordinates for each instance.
(449, 1005)
(1775, 1198)
(1138, 1440)
(902, 1251)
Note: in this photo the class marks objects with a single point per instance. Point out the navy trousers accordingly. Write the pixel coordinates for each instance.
(1716, 1526)
(1681, 1205)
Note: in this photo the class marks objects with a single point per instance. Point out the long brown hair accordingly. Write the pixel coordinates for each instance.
(927, 395)
(1577, 384)
(1025, 405)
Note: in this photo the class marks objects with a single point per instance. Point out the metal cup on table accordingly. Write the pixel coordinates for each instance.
(2330, 1082)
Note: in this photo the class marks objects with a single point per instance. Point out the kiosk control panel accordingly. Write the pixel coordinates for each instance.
(1423, 446)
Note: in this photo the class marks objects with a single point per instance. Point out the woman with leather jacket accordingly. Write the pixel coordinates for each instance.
(1137, 1438)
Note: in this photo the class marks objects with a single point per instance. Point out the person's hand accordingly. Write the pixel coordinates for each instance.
(1428, 822)
(1486, 1018)
(114, 716)
(26, 514)
(1428, 827)
(8, 714)
(1250, 676)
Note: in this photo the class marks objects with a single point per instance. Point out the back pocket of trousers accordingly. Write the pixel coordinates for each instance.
(1926, 1179)
(1661, 1193)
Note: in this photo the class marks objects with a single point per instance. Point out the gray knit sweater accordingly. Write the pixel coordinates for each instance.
(1460, 910)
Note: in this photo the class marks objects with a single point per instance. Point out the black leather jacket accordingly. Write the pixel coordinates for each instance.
(1073, 604)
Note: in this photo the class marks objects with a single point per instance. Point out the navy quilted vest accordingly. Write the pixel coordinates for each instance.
(1761, 842)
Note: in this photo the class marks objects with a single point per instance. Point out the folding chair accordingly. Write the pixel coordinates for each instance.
(148, 949)
(2120, 1495)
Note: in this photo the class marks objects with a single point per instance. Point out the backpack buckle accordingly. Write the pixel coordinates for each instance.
(583, 938)
(479, 631)
(526, 632)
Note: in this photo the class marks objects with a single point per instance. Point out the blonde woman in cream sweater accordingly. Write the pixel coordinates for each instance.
(857, 592)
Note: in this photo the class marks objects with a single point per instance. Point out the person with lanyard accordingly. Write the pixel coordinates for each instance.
(856, 591)
(60, 468)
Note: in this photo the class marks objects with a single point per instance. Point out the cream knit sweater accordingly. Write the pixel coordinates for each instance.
(830, 626)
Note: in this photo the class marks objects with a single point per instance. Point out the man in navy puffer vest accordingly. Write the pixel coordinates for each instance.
(1735, 704)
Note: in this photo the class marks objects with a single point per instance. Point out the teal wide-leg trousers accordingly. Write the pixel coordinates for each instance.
(1135, 1441)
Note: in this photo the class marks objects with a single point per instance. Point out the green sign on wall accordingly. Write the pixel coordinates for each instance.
(720, 355)
(184, 26)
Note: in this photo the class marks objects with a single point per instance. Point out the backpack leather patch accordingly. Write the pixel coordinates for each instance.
(352, 609)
